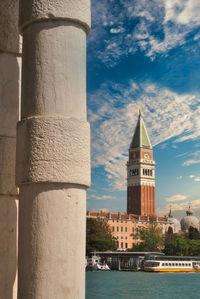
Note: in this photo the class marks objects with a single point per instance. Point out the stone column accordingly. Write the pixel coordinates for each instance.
(9, 115)
(53, 149)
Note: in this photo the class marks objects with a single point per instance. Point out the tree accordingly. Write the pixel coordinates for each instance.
(151, 239)
(193, 233)
(98, 236)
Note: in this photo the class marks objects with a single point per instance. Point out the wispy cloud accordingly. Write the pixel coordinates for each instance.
(113, 116)
(175, 19)
(179, 177)
(177, 197)
(191, 162)
(183, 206)
(103, 197)
(195, 156)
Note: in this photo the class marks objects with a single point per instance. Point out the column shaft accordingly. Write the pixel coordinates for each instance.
(9, 115)
(53, 149)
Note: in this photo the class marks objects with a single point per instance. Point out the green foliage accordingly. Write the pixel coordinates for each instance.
(177, 245)
(151, 239)
(98, 236)
(193, 234)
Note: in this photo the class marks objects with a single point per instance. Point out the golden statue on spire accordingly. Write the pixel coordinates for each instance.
(140, 111)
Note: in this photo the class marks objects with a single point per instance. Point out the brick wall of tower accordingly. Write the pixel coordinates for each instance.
(133, 200)
(148, 200)
(141, 200)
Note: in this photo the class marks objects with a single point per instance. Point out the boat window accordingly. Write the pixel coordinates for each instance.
(166, 264)
(169, 264)
(163, 264)
(152, 264)
(179, 264)
(182, 264)
(176, 264)
(173, 264)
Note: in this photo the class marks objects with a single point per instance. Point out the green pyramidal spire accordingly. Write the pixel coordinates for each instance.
(140, 137)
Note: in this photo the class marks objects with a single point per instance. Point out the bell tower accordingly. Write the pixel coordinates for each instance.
(141, 173)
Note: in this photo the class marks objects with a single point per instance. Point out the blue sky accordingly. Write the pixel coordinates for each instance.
(145, 53)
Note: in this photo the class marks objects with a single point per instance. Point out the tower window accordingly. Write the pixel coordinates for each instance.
(134, 172)
(147, 172)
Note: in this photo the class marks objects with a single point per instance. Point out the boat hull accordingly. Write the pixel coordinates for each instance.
(171, 270)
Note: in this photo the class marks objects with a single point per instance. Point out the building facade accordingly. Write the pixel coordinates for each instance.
(125, 227)
(141, 173)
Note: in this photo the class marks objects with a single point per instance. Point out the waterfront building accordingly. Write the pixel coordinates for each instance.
(141, 173)
(125, 227)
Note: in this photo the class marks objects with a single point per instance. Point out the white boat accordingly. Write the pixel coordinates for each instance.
(171, 264)
(94, 263)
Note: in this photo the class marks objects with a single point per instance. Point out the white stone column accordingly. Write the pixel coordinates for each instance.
(9, 115)
(53, 149)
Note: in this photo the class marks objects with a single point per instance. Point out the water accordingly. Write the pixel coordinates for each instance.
(142, 285)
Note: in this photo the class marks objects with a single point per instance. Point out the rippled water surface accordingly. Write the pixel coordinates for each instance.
(128, 285)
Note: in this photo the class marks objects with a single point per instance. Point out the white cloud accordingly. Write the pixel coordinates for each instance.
(115, 109)
(182, 12)
(103, 197)
(179, 177)
(175, 19)
(177, 197)
(117, 30)
(191, 176)
(195, 205)
(191, 162)
(197, 36)
(195, 156)
(197, 179)
(104, 210)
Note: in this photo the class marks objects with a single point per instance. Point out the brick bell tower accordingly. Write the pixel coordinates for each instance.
(141, 173)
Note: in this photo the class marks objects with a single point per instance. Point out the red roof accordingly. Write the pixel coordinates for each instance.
(124, 216)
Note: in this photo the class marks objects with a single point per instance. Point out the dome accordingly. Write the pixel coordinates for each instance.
(189, 221)
(176, 227)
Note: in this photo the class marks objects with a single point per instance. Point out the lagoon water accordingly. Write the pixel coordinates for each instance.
(142, 285)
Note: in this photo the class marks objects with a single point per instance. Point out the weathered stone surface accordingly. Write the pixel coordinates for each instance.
(52, 242)
(9, 34)
(54, 57)
(53, 149)
(8, 246)
(74, 10)
(7, 166)
(9, 94)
